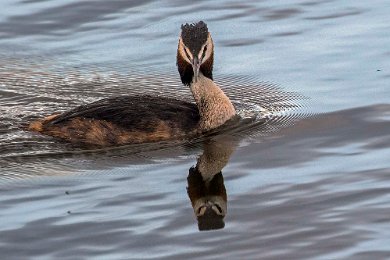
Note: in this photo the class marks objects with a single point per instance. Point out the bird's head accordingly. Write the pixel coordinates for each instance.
(195, 53)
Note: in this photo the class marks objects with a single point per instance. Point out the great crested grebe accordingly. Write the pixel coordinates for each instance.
(139, 119)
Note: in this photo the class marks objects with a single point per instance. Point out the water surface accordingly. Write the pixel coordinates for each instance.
(311, 181)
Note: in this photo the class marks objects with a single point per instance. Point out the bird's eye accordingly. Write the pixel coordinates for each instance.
(204, 52)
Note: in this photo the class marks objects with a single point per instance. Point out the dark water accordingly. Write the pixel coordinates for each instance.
(310, 180)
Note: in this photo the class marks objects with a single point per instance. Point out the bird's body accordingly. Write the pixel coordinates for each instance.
(140, 119)
(123, 120)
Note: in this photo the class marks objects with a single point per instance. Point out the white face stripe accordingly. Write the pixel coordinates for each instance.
(209, 44)
(183, 50)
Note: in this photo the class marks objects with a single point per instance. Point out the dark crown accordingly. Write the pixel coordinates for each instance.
(194, 36)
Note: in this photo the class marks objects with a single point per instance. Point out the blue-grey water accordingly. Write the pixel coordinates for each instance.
(311, 181)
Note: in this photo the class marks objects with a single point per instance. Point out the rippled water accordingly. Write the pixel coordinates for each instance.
(310, 180)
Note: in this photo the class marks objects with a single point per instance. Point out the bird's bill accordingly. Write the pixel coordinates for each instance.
(195, 67)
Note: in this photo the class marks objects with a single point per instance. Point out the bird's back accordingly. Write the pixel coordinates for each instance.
(123, 120)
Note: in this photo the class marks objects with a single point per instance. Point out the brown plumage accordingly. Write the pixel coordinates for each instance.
(123, 120)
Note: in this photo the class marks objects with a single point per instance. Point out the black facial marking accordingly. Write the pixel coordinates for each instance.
(188, 56)
(204, 52)
(194, 36)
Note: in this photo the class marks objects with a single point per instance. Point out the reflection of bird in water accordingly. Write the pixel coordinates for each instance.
(138, 119)
(206, 187)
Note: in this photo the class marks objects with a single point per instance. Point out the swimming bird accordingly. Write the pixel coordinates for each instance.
(144, 118)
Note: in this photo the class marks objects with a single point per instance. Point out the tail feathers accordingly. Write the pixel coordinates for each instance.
(38, 125)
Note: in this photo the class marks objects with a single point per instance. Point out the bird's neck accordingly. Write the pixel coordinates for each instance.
(215, 108)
